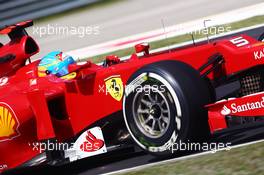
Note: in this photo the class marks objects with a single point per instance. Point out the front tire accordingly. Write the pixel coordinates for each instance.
(164, 104)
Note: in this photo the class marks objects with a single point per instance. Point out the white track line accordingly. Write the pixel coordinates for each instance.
(137, 168)
(172, 31)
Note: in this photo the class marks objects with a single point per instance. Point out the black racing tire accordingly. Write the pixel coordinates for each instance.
(183, 118)
(261, 37)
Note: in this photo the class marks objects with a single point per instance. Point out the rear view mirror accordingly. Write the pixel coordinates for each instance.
(142, 47)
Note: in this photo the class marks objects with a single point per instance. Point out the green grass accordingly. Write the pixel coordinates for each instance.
(182, 38)
(241, 161)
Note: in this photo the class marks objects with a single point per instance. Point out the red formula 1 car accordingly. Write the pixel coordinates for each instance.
(158, 99)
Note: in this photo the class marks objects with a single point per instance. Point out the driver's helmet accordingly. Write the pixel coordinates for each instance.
(55, 63)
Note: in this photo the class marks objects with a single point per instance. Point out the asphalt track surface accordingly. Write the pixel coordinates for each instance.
(128, 17)
(127, 158)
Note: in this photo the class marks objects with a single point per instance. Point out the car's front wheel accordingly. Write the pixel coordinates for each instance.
(164, 104)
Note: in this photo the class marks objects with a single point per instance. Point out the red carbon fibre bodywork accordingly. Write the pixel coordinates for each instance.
(247, 106)
(82, 99)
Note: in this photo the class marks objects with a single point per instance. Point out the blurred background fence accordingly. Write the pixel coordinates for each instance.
(13, 11)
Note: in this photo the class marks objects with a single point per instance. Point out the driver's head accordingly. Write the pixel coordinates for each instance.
(56, 63)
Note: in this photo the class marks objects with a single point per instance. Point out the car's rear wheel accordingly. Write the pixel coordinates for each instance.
(164, 104)
(261, 37)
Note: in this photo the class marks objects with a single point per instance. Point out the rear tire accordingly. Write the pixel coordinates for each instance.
(171, 95)
(261, 37)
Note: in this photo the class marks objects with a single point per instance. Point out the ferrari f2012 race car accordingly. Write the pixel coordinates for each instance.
(154, 99)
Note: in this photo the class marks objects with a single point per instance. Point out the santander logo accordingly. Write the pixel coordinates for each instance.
(225, 111)
(243, 107)
(92, 143)
(3, 81)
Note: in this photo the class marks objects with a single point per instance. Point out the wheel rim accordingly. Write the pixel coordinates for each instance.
(151, 111)
(138, 81)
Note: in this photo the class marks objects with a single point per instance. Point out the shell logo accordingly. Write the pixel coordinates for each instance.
(8, 123)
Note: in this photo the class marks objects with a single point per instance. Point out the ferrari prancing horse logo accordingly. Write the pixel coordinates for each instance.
(114, 87)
